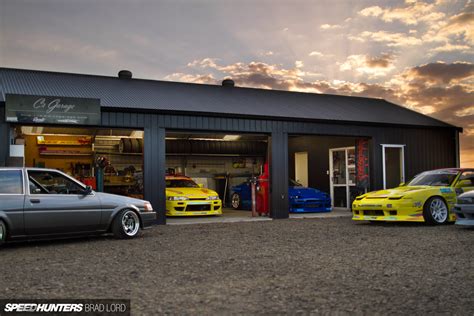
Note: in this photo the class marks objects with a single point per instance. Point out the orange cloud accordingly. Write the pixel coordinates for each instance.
(411, 14)
(368, 65)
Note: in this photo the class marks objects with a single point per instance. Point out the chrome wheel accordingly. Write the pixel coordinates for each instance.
(439, 210)
(3, 232)
(130, 223)
(235, 201)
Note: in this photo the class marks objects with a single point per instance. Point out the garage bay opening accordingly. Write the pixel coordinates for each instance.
(109, 160)
(209, 176)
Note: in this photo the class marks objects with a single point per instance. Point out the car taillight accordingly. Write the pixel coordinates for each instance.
(148, 207)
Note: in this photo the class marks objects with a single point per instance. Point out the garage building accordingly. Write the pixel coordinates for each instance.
(339, 144)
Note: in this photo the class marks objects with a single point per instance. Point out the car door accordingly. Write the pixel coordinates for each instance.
(12, 199)
(56, 204)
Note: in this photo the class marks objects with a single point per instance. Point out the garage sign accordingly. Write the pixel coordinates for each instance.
(32, 109)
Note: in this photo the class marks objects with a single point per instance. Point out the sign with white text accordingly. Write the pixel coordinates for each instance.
(34, 109)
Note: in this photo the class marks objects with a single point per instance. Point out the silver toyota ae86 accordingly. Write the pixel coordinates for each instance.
(464, 209)
(45, 203)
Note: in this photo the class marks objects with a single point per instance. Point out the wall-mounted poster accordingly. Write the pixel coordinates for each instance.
(362, 163)
(51, 110)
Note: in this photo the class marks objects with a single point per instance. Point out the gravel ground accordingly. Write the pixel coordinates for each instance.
(287, 267)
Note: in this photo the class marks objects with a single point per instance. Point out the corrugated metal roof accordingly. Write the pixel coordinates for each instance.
(185, 97)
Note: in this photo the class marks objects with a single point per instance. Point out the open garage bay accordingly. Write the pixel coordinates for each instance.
(311, 265)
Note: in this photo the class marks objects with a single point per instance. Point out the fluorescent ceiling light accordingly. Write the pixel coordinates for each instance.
(137, 134)
(231, 137)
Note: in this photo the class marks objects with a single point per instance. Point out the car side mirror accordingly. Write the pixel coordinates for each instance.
(464, 183)
(201, 185)
(88, 190)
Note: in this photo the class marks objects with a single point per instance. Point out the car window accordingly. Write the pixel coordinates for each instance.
(467, 175)
(49, 182)
(181, 183)
(11, 182)
(434, 178)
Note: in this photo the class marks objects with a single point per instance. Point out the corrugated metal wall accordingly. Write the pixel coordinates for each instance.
(426, 148)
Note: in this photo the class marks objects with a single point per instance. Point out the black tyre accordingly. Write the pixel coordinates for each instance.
(236, 201)
(3, 232)
(126, 224)
(435, 211)
(135, 145)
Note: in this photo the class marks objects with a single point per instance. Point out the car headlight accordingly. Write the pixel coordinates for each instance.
(178, 198)
(213, 197)
(148, 207)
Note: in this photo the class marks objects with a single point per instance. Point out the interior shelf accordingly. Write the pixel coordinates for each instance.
(64, 154)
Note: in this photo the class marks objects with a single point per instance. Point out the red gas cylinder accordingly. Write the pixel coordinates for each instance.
(263, 203)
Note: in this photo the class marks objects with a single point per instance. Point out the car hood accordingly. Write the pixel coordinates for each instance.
(189, 192)
(114, 199)
(396, 192)
(304, 192)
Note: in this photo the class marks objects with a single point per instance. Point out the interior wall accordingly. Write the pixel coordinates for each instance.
(33, 157)
(211, 171)
(318, 156)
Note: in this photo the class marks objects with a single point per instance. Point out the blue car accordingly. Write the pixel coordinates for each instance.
(302, 199)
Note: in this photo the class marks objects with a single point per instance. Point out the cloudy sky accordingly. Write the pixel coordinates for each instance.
(415, 53)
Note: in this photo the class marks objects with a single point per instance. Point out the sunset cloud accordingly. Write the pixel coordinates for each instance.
(330, 27)
(448, 47)
(441, 72)
(389, 38)
(411, 14)
(367, 65)
(315, 54)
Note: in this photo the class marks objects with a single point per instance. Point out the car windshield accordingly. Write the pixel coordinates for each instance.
(434, 178)
(293, 183)
(181, 183)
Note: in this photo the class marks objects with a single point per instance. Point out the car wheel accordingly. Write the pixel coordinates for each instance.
(435, 211)
(235, 201)
(126, 224)
(3, 232)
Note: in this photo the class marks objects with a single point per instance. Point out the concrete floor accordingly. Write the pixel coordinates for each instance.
(229, 215)
(234, 216)
(336, 212)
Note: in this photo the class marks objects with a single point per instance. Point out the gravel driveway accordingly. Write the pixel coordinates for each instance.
(283, 266)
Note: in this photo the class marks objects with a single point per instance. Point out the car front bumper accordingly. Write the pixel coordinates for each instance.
(193, 208)
(464, 214)
(405, 210)
(309, 206)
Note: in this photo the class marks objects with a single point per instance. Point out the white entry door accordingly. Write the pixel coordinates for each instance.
(301, 168)
(341, 175)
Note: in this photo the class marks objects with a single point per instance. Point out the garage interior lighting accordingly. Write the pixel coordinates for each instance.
(231, 137)
(137, 134)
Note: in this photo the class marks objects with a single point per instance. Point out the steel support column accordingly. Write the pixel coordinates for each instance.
(279, 175)
(155, 169)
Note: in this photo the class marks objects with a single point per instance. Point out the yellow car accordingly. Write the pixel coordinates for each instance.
(186, 198)
(429, 197)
